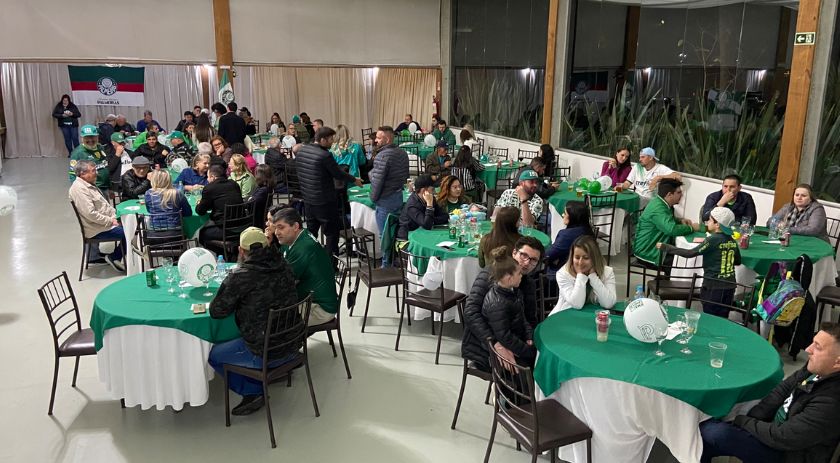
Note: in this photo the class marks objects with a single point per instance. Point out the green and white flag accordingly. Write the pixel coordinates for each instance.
(108, 86)
(225, 89)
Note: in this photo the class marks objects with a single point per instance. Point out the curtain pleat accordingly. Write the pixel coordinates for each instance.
(404, 91)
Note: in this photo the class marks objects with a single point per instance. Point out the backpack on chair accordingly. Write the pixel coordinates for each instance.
(782, 306)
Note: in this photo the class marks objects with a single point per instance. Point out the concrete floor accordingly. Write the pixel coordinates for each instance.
(397, 407)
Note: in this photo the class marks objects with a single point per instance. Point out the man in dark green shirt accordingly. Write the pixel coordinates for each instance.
(720, 256)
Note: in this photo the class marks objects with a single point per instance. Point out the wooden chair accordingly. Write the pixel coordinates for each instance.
(342, 274)
(285, 332)
(526, 154)
(371, 274)
(602, 214)
(674, 287)
(156, 253)
(539, 426)
(415, 295)
(237, 218)
(87, 242)
(69, 338)
(743, 302)
(498, 152)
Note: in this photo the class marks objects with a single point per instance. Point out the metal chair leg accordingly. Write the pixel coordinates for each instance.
(332, 344)
(440, 336)
(343, 353)
(55, 381)
(367, 307)
(460, 396)
(492, 437)
(311, 389)
(75, 371)
(227, 399)
(268, 414)
(399, 329)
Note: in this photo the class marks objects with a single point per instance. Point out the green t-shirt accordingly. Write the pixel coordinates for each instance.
(313, 271)
(97, 155)
(720, 256)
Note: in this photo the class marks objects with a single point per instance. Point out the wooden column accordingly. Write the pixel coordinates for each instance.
(224, 44)
(550, 49)
(787, 175)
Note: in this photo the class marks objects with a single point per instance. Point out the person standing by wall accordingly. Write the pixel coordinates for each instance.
(67, 114)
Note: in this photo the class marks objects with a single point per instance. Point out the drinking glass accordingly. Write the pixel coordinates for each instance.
(692, 319)
(169, 271)
(717, 351)
(661, 332)
(181, 285)
(205, 278)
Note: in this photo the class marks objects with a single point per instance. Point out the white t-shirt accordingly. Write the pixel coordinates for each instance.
(639, 178)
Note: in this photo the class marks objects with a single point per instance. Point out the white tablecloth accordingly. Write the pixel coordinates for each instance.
(616, 231)
(458, 275)
(152, 366)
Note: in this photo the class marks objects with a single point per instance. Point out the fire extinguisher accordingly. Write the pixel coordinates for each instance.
(435, 105)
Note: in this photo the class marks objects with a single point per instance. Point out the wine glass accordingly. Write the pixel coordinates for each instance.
(660, 331)
(181, 285)
(692, 318)
(205, 278)
(168, 270)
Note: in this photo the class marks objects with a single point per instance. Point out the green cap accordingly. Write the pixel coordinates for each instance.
(89, 131)
(118, 137)
(176, 134)
(528, 174)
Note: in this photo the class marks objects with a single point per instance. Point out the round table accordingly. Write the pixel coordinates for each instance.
(507, 169)
(421, 149)
(459, 266)
(625, 202)
(363, 211)
(152, 350)
(127, 212)
(629, 396)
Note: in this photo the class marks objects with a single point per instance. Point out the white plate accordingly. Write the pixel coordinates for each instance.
(132, 208)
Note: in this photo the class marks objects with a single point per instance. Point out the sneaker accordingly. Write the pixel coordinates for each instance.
(116, 264)
(249, 404)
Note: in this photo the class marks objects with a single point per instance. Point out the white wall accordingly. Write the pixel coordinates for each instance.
(354, 32)
(91, 29)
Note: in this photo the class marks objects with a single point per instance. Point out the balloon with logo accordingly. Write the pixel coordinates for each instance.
(412, 127)
(643, 318)
(179, 164)
(8, 200)
(430, 140)
(605, 181)
(196, 265)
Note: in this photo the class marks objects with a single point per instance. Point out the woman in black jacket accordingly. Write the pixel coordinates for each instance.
(504, 310)
(262, 194)
(67, 115)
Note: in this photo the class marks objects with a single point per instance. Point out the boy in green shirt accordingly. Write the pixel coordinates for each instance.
(720, 256)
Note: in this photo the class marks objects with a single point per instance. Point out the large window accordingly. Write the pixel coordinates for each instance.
(826, 181)
(498, 59)
(704, 86)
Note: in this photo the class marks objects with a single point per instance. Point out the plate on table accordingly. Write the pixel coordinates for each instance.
(132, 208)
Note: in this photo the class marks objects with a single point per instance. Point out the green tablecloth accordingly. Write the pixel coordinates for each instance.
(568, 349)
(362, 195)
(191, 223)
(130, 302)
(627, 200)
(423, 151)
(759, 255)
(488, 175)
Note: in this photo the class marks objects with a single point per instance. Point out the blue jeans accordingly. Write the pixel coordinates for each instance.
(114, 233)
(726, 439)
(71, 137)
(236, 352)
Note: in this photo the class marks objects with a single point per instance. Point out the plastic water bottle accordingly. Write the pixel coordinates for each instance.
(640, 292)
(180, 187)
(221, 272)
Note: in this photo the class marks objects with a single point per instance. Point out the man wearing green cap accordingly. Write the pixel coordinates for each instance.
(119, 157)
(179, 148)
(524, 193)
(90, 150)
(300, 130)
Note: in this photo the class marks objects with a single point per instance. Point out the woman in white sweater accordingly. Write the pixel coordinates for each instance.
(585, 278)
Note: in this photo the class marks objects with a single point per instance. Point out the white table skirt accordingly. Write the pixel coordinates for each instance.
(132, 260)
(152, 366)
(458, 275)
(616, 231)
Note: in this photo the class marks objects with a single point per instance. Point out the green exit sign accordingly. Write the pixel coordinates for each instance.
(805, 38)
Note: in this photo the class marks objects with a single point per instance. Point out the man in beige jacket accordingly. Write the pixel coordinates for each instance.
(99, 218)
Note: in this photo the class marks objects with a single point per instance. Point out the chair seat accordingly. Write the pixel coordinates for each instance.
(672, 290)
(381, 277)
(830, 295)
(327, 326)
(430, 300)
(78, 343)
(558, 426)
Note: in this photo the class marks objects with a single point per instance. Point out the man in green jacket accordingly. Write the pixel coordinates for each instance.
(310, 263)
(658, 223)
(442, 132)
(90, 150)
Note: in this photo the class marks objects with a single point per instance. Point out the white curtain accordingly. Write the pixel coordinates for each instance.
(400, 91)
(31, 91)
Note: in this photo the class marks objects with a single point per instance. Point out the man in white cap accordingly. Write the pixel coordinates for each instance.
(646, 175)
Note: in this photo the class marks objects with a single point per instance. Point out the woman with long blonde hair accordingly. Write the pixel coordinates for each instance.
(164, 202)
(347, 152)
(240, 174)
(586, 278)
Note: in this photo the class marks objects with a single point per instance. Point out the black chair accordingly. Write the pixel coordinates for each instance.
(602, 214)
(416, 166)
(470, 370)
(833, 229)
(156, 229)
(371, 274)
(69, 338)
(480, 147)
(157, 253)
(237, 218)
(671, 287)
(116, 193)
(87, 242)
(527, 154)
(561, 174)
(539, 426)
(366, 133)
(285, 332)
(501, 153)
(342, 274)
(547, 293)
(415, 295)
(830, 295)
(743, 303)
(634, 265)
(504, 182)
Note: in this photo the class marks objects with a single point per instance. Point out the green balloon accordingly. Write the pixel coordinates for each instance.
(584, 183)
(594, 187)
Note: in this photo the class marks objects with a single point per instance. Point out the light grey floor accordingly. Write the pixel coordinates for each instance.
(397, 407)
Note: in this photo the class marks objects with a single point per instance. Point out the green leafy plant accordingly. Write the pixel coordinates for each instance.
(826, 180)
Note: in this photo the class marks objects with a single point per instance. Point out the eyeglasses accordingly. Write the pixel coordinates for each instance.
(528, 259)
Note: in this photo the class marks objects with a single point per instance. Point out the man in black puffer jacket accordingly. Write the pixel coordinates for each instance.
(796, 422)
(389, 173)
(135, 182)
(528, 251)
(316, 170)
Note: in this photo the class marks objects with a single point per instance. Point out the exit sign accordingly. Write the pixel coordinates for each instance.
(805, 38)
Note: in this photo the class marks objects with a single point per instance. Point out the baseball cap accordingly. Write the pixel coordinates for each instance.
(648, 151)
(176, 134)
(140, 161)
(89, 131)
(118, 137)
(251, 237)
(423, 181)
(724, 217)
(295, 119)
(528, 174)
(441, 144)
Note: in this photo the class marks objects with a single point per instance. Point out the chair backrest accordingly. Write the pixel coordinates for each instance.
(514, 393)
(79, 219)
(480, 146)
(163, 221)
(685, 272)
(415, 164)
(505, 179)
(450, 150)
(286, 330)
(156, 253)
(743, 303)
(366, 133)
(237, 218)
(413, 268)
(527, 154)
(292, 180)
(59, 303)
(833, 227)
(500, 152)
(342, 274)
(366, 252)
(561, 174)
(116, 193)
(548, 292)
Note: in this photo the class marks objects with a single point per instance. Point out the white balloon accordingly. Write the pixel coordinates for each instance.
(195, 263)
(179, 164)
(642, 317)
(430, 140)
(8, 200)
(605, 181)
(274, 129)
(412, 127)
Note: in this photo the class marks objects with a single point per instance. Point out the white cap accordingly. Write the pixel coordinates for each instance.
(723, 216)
